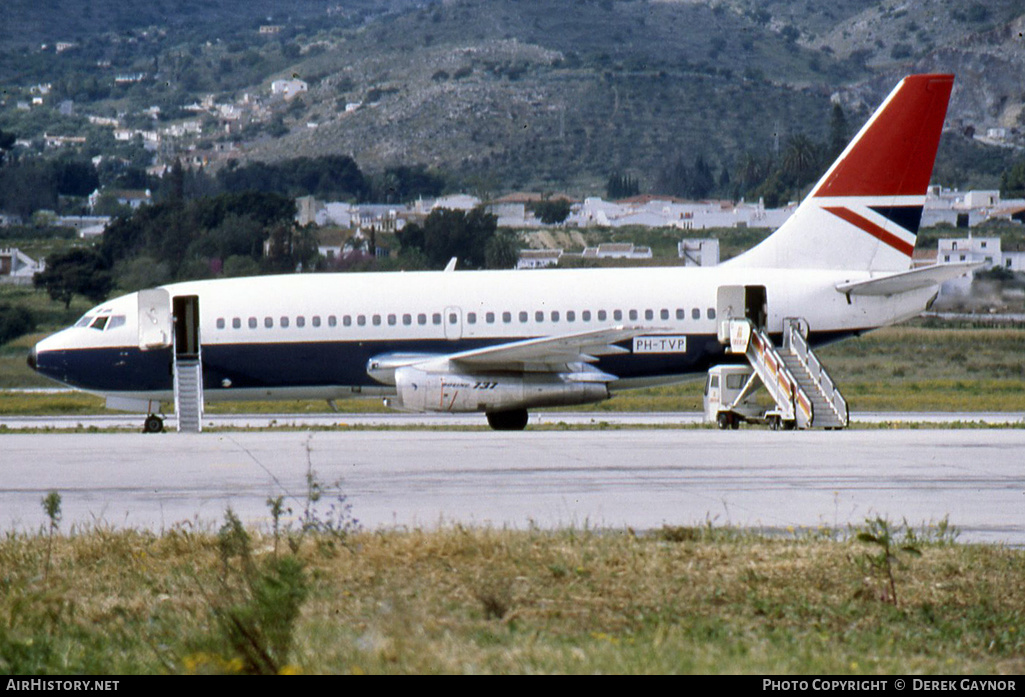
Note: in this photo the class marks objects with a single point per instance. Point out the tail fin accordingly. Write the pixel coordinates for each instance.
(865, 211)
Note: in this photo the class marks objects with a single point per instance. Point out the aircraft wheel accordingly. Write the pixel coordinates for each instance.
(153, 424)
(515, 420)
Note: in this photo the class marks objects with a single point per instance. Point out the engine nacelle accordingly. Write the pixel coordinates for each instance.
(424, 390)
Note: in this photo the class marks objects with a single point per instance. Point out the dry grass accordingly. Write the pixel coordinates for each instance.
(691, 600)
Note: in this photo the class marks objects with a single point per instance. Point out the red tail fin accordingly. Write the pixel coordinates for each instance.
(894, 153)
(864, 213)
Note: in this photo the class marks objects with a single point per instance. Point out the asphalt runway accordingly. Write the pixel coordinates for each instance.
(635, 478)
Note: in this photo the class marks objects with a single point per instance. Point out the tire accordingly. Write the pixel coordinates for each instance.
(722, 420)
(515, 420)
(153, 424)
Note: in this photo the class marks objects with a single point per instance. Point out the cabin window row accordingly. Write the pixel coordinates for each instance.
(436, 318)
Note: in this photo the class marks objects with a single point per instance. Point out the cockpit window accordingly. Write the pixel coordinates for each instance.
(115, 322)
(99, 323)
(84, 322)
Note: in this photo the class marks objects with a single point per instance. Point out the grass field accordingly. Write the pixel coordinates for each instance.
(677, 600)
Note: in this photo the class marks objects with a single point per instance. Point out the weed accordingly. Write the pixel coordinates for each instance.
(879, 531)
(258, 604)
(52, 507)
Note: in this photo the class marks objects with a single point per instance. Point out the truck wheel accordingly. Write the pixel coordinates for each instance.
(153, 424)
(722, 420)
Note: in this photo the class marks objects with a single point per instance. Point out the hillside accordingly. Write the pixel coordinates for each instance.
(561, 95)
(501, 95)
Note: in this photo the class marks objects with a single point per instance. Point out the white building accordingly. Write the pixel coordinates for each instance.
(288, 89)
(17, 268)
(699, 252)
(538, 258)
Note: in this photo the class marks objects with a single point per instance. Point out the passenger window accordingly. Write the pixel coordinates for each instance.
(220, 323)
(453, 318)
(617, 315)
(300, 321)
(695, 313)
(252, 323)
(332, 321)
(633, 314)
(571, 316)
(421, 319)
(407, 319)
(436, 318)
(711, 313)
(586, 315)
(602, 315)
(284, 323)
(316, 320)
(376, 319)
(539, 316)
(555, 316)
(664, 314)
(346, 320)
(392, 319)
(680, 314)
(236, 323)
(361, 320)
(649, 314)
(471, 318)
(490, 317)
(507, 317)
(268, 322)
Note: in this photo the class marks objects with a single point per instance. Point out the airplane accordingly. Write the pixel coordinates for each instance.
(505, 342)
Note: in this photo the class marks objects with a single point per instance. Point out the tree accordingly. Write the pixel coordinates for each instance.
(552, 212)
(1012, 181)
(621, 186)
(14, 321)
(838, 135)
(451, 233)
(7, 141)
(80, 270)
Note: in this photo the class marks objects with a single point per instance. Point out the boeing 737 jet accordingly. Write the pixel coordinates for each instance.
(504, 342)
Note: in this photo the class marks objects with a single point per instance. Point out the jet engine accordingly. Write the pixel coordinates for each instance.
(423, 390)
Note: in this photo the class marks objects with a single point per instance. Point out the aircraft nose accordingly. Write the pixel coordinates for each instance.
(32, 358)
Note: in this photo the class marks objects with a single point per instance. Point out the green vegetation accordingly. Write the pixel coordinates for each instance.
(698, 599)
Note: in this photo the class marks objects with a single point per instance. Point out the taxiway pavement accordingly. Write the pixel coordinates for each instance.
(638, 478)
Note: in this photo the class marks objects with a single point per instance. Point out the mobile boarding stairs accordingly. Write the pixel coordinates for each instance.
(804, 394)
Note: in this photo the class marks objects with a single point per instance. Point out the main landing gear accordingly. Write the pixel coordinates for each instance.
(153, 424)
(514, 420)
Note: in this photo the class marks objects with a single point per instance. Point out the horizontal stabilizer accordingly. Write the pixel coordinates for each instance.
(907, 281)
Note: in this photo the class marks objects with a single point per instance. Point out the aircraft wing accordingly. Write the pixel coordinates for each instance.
(535, 354)
(907, 281)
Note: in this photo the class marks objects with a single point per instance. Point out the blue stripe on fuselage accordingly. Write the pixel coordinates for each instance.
(328, 363)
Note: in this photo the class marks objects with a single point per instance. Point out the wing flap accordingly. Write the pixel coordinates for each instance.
(532, 354)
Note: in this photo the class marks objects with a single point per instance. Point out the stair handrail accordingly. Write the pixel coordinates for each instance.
(786, 391)
(795, 341)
